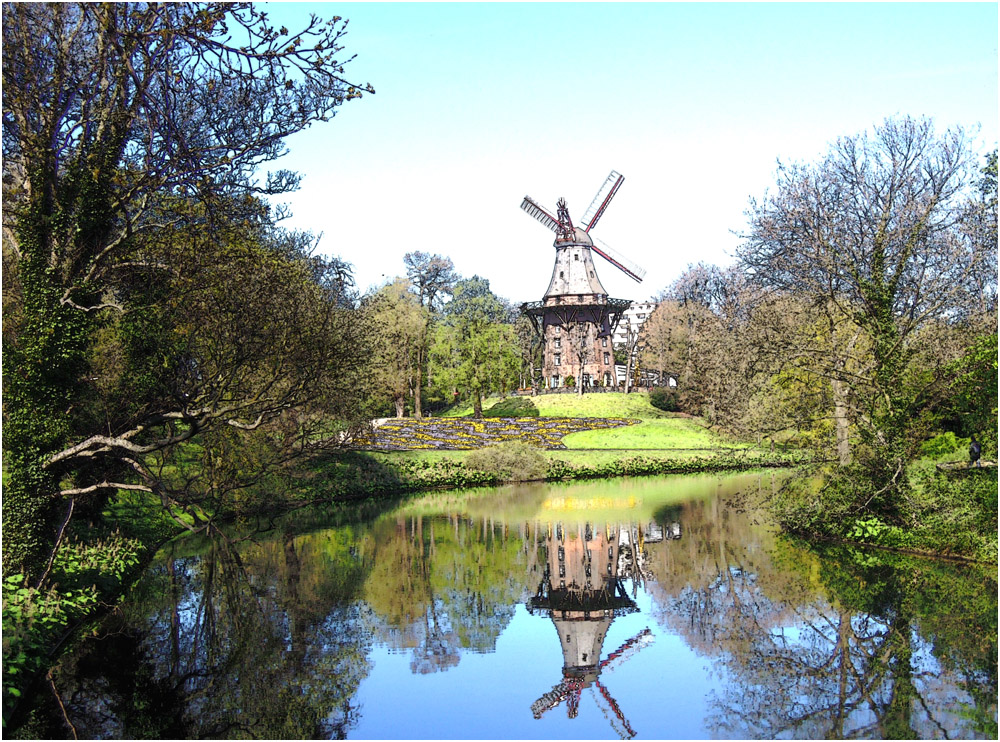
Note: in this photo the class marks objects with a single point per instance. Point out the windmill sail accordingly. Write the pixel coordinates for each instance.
(604, 195)
(540, 214)
(630, 269)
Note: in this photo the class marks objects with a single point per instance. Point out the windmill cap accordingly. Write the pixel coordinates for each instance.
(579, 238)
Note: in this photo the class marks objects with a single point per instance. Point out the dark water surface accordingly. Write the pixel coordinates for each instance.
(647, 608)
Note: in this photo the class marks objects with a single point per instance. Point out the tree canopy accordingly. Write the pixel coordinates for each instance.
(144, 265)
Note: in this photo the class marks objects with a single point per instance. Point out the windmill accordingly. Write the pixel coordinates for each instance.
(576, 319)
(582, 592)
(572, 686)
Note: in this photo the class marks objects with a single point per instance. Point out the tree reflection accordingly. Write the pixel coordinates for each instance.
(833, 644)
(442, 585)
(270, 637)
(243, 641)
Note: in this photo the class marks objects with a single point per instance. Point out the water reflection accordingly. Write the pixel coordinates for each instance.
(454, 615)
(582, 591)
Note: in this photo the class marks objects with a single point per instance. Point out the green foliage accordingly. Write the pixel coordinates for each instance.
(512, 461)
(34, 620)
(475, 352)
(664, 399)
(946, 513)
(943, 444)
(971, 405)
(570, 381)
(867, 530)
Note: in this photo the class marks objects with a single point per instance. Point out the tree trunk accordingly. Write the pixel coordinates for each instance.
(841, 422)
(477, 405)
(400, 402)
(417, 411)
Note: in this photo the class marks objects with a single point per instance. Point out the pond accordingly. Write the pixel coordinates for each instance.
(661, 608)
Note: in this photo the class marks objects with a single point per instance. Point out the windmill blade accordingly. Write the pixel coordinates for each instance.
(638, 642)
(540, 214)
(630, 269)
(569, 689)
(623, 729)
(604, 195)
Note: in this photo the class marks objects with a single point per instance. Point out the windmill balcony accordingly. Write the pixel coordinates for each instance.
(581, 299)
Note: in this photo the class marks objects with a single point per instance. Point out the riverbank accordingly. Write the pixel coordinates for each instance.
(91, 578)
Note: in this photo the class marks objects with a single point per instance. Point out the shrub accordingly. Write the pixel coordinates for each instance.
(942, 445)
(664, 399)
(514, 462)
(570, 381)
(513, 407)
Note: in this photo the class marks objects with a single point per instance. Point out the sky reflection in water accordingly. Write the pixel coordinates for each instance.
(648, 608)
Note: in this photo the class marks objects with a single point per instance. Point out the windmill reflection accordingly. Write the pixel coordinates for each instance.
(583, 591)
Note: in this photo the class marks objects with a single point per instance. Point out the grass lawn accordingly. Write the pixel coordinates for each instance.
(673, 432)
(658, 430)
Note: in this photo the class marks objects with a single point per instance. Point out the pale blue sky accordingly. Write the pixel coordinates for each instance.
(478, 105)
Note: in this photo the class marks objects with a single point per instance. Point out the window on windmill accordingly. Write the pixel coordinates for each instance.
(576, 256)
(558, 329)
(604, 342)
(606, 359)
(560, 274)
(558, 342)
(592, 274)
(557, 359)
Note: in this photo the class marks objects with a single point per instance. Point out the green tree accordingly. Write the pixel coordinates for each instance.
(399, 324)
(124, 123)
(474, 350)
(432, 278)
(875, 237)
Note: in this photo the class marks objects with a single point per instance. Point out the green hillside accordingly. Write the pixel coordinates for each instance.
(658, 430)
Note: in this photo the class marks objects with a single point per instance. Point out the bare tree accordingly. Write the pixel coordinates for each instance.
(873, 237)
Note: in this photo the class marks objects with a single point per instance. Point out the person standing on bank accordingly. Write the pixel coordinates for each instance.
(975, 449)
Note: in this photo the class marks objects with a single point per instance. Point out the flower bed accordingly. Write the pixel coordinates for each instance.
(456, 434)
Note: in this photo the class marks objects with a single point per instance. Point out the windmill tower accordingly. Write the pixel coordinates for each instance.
(576, 319)
(582, 592)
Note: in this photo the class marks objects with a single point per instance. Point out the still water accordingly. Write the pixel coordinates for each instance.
(661, 608)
